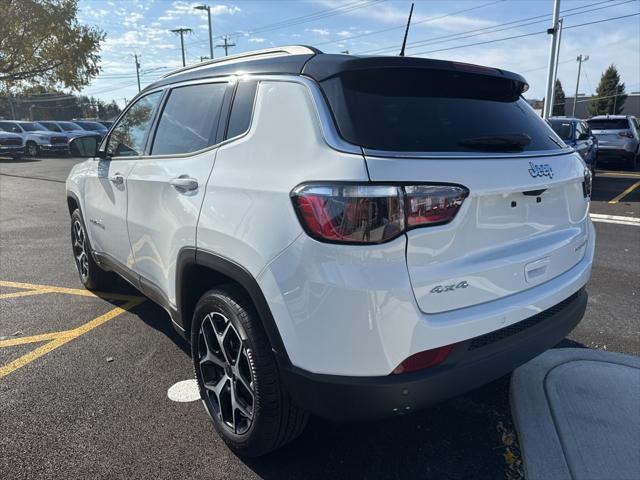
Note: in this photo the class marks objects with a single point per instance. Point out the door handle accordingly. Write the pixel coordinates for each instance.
(117, 179)
(184, 183)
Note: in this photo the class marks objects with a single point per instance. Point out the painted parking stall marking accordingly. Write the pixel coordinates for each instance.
(616, 219)
(626, 192)
(57, 339)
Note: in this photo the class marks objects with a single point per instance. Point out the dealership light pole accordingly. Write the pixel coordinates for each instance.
(581, 58)
(553, 31)
(208, 9)
(181, 32)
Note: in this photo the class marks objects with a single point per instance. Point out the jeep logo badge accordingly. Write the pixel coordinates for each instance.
(449, 288)
(542, 170)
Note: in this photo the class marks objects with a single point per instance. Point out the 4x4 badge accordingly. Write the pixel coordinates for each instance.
(449, 288)
(542, 170)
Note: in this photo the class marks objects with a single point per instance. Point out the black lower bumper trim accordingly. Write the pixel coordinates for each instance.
(357, 398)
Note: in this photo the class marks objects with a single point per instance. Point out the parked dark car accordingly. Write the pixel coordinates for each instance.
(577, 134)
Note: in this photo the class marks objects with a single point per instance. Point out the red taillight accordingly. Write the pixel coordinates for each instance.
(432, 204)
(626, 134)
(426, 359)
(368, 213)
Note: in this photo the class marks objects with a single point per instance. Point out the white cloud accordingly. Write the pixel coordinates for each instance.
(256, 40)
(318, 31)
(344, 33)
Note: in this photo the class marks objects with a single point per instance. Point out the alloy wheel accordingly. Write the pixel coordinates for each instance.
(32, 149)
(226, 373)
(80, 249)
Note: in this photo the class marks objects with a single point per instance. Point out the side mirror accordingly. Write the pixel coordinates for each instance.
(86, 147)
(584, 136)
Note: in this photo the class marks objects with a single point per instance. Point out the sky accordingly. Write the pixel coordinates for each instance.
(440, 29)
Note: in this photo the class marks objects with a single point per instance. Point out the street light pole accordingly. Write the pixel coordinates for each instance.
(208, 9)
(181, 32)
(581, 58)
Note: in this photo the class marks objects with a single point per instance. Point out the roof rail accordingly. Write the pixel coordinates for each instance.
(255, 54)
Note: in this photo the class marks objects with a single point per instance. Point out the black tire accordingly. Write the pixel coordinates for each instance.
(91, 275)
(274, 419)
(632, 162)
(31, 149)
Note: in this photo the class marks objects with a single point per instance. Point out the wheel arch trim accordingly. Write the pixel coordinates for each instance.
(189, 257)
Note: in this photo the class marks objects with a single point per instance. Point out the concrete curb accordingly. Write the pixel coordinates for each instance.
(577, 413)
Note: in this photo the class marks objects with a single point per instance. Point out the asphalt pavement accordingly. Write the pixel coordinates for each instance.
(84, 379)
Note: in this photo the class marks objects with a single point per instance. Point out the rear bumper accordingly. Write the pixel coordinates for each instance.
(615, 151)
(471, 363)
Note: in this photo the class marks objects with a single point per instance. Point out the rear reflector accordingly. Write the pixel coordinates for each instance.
(369, 214)
(426, 359)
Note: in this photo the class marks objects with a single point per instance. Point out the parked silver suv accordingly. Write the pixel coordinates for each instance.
(618, 138)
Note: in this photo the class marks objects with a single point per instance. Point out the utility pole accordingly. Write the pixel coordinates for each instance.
(208, 9)
(553, 31)
(226, 45)
(135, 55)
(581, 58)
(181, 32)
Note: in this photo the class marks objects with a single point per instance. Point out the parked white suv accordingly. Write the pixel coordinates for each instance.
(354, 237)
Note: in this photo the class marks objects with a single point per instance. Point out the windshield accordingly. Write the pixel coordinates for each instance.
(90, 126)
(51, 126)
(562, 128)
(609, 124)
(31, 126)
(427, 110)
(68, 126)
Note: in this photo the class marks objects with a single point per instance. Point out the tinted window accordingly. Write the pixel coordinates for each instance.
(562, 128)
(90, 126)
(51, 126)
(31, 127)
(128, 136)
(10, 127)
(69, 126)
(611, 124)
(405, 109)
(189, 120)
(240, 117)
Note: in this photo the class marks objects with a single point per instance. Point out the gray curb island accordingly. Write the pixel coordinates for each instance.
(577, 413)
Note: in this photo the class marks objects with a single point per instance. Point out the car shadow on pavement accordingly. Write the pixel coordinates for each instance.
(19, 160)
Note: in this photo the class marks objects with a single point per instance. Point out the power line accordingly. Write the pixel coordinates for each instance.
(425, 20)
(494, 28)
(525, 34)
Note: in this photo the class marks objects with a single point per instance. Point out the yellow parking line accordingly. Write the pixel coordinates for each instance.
(618, 174)
(625, 193)
(60, 338)
(67, 291)
(11, 342)
(23, 293)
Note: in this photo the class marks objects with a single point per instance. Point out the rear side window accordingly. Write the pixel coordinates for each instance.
(242, 108)
(562, 129)
(428, 110)
(190, 118)
(610, 124)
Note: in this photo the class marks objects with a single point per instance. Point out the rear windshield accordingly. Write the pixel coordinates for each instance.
(420, 110)
(611, 124)
(562, 129)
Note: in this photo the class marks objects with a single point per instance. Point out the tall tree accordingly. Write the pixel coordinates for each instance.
(41, 42)
(610, 94)
(558, 100)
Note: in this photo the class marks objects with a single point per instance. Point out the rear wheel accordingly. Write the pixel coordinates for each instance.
(632, 162)
(238, 376)
(31, 149)
(91, 275)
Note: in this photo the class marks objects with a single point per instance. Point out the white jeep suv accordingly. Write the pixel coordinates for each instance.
(354, 237)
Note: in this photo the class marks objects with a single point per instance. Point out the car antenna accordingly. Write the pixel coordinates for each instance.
(406, 32)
